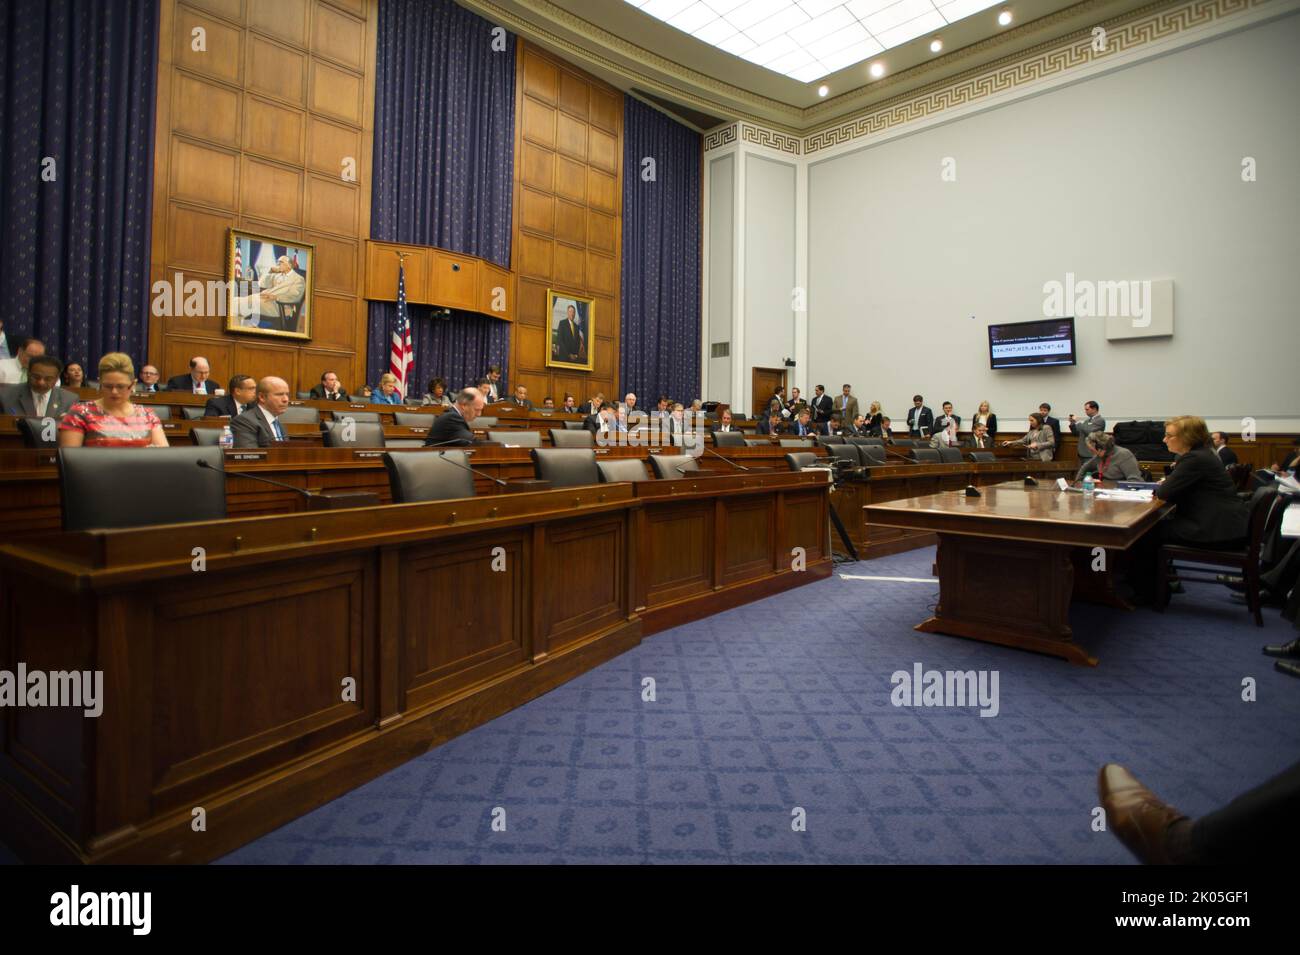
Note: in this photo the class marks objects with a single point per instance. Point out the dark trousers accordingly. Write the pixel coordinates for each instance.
(1144, 556)
(1257, 824)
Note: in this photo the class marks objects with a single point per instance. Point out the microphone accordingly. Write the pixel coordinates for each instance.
(724, 457)
(482, 474)
(256, 477)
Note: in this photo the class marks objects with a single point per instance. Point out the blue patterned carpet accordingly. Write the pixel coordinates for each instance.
(785, 703)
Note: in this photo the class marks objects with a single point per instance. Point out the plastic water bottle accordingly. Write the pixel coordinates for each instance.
(227, 437)
(1088, 484)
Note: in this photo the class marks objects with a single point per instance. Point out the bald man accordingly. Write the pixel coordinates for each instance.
(452, 427)
(259, 426)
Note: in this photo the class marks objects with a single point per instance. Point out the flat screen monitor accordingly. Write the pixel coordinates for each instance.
(1032, 344)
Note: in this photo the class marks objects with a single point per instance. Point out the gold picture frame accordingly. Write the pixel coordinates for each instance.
(269, 285)
(569, 344)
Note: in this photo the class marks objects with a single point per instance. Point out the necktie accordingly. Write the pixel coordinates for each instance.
(41, 402)
(279, 431)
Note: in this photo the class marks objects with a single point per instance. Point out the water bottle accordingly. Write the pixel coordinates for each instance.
(227, 437)
(1088, 484)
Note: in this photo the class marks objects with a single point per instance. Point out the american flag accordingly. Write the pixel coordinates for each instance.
(402, 356)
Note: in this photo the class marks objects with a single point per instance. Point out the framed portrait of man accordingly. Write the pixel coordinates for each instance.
(269, 285)
(571, 322)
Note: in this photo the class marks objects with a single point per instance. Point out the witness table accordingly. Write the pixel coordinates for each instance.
(1010, 560)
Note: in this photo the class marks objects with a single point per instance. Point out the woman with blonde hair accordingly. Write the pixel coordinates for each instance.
(986, 417)
(112, 420)
(387, 393)
(871, 424)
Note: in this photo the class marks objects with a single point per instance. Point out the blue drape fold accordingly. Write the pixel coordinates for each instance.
(660, 323)
(78, 82)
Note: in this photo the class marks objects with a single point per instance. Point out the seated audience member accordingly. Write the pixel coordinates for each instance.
(1109, 462)
(437, 396)
(330, 388)
(42, 394)
(772, 425)
(148, 383)
(1225, 453)
(491, 386)
(724, 423)
(111, 420)
(197, 382)
(857, 428)
(259, 426)
(520, 398)
(238, 399)
(804, 426)
(980, 439)
(594, 405)
(74, 376)
(941, 422)
(873, 419)
(548, 403)
(452, 427)
(985, 416)
(1039, 442)
(13, 371)
(947, 438)
(1257, 825)
(920, 419)
(675, 426)
(570, 406)
(886, 429)
(835, 425)
(367, 392)
(387, 393)
(629, 403)
(602, 421)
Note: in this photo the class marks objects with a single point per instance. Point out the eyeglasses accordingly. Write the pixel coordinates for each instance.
(105, 386)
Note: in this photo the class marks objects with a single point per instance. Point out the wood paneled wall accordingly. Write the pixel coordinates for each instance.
(253, 132)
(568, 222)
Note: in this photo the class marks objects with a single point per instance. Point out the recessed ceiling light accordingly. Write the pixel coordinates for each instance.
(877, 70)
(823, 90)
(1004, 18)
(936, 45)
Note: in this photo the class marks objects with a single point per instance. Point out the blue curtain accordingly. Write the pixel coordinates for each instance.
(77, 85)
(444, 129)
(457, 349)
(660, 326)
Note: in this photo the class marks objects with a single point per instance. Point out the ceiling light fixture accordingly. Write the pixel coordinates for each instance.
(1004, 18)
(877, 70)
(823, 90)
(936, 45)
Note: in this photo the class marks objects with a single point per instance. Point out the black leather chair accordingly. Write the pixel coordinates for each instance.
(520, 438)
(483, 422)
(826, 440)
(360, 417)
(867, 442)
(363, 435)
(191, 413)
(873, 454)
(757, 442)
(136, 487)
(205, 437)
(565, 467)
(564, 438)
(413, 419)
(428, 476)
(728, 439)
(983, 457)
(300, 414)
(668, 466)
(926, 456)
(1265, 515)
(36, 435)
(796, 442)
(845, 452)
(798, 460)
(622, 469)
(950, 455)
(304, 395)
(573, 426)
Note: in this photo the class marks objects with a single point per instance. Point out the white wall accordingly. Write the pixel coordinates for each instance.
(1134, 174)
(769, 268)
(720, 290)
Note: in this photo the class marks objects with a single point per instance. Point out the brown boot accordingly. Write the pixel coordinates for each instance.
(1137, 816)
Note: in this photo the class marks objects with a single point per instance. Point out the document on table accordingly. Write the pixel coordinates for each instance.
(1118, 495)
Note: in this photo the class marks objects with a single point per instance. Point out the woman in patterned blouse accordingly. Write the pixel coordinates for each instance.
(111, 420)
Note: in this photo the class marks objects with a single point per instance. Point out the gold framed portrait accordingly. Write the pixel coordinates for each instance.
(570, 329)
(269, 284)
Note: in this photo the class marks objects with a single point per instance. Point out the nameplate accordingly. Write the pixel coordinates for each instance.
(248, 455)
(170, 425)
(351, 405)
(47, 458)
(295, 403)
(358, 455)
(602, 450)
(415, 428)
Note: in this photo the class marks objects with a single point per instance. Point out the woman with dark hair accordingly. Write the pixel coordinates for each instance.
(437, 394)
(1039, 441)
(74, 376)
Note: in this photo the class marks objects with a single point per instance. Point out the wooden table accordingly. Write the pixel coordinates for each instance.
(1010, 561)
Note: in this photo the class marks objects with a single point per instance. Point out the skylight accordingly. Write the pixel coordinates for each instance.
(809, 39)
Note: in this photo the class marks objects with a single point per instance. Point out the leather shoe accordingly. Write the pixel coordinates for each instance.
(1291, 649)
(1289, 667)
(1136, 815)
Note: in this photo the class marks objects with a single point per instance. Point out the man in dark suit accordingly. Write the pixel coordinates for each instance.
(920, 419)
(804, 426)
(594, 405)
(602, 422)
(329, 389)
(41, 396)
(238, 399)
(724, 423)
(259, 426)
(197, 381)
(979, 439)
(772, 424)
(821, 406)
(520, 398)
(1225, 453)
(1054, 425)
(941, 422)
(148, 383)
(452, 427)
(570, 343)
